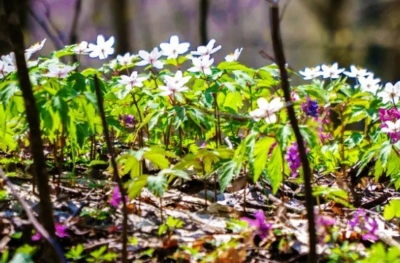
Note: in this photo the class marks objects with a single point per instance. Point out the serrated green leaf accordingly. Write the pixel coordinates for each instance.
(392, 209)
(226, 172)
(135, 186)
(275, 169)
(157, 184)
(261, 149)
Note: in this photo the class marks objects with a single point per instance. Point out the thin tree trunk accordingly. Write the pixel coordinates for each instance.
(32, 114)
(120, 16)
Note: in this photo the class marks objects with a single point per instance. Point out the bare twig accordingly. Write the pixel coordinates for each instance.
(284, 8)
(115, 170)
(73, 35)
(53, 242)
(32, 115)
(56, 41)
(280, 58)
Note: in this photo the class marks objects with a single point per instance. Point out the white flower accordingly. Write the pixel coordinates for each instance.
(36, 47)
(178, 78)
(392, 127)
(202, 64)
(126, 59)
(234, 56)
(369, 83)
(58, 71)
(5, 68)
(207, 50)
(132, 81)
(10, 61)
(173, 49)
(390, 93)
(129, 83)
(102, 49)
(81, 48)
(267, 110)
(332, 71)
(356, 72)
(311, 73)
(174, 84)
(151, 58)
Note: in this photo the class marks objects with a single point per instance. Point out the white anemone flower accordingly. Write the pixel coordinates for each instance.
(132, 81)
(58, 71)
(151, 58)
(10, 60)
(81, 49)
(392, 127)
(390, 93)
(102, 49)
(178, 78)
(129, 82)
(202, 64)
(36, 47)
(266, 110)
(207, 50)
(333, 71)
(311, 73)
(356, 72)
(126, 59)
(174, 84)
(234, 56)
(4, 69)
(173, 49)
(369, 83)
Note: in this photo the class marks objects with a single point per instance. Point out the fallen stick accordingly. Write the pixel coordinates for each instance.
(33, 219)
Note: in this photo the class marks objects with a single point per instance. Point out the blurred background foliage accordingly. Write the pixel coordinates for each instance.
(361, 32)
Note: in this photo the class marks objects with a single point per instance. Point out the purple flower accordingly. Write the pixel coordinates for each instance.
(260, 223)
(323, 224)
(129, 119)
(36, 237)
(61, 231)
(293, 159)
(324, 221)
(364, 224)
(310, 107)
(391, 115)
(116, 198)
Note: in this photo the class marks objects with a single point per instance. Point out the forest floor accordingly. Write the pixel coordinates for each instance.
(183, 226)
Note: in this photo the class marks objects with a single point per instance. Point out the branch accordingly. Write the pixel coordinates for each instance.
(53, 242)
(280, 59)
(115, 170)
(56, 41)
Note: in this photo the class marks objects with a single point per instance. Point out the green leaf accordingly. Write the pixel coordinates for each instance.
(135, 186)
(227, 171)
(233, 66)
(385, 150)
(174, 173)
(261, 149)
(392, 209)
(156, 156)
(320, 94)
(275, 169)
(157, 184)
(367, 157)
